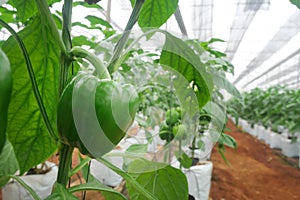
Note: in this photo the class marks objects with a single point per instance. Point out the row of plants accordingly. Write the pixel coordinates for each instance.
(276, 107)
(57, 96)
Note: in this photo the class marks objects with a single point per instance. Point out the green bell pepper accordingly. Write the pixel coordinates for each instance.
(5, 94)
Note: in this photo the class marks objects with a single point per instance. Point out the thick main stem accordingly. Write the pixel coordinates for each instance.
(64, 164)
(65, 63)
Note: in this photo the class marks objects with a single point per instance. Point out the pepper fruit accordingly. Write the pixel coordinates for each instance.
(180, 131)
(95, 129)
(5, 94)
(172, 117)
(165, 133)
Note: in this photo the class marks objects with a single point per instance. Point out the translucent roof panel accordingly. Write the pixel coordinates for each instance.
(284, 34)
(245, 13)
(258, 34)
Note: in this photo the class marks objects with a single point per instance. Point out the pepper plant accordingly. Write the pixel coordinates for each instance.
(272, 107)
(58, 103)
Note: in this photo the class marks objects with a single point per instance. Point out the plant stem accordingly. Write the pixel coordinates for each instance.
(113, 65)
(180, 21)
(64, 164)
(67, 23)
(66, 59)
(101, 70)
(32, 79)
(45, 12)
(65, 62)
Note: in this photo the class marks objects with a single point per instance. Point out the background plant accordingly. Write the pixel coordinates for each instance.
(273, 107)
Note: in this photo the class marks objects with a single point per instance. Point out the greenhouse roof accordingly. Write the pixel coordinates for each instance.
(261, 37)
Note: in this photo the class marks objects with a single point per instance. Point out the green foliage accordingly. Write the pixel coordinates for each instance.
(8, 163)
(164, 181)
(273, 107)
(183, 59)
(60, 192)
(26, 130)
(296, 3)
(156, 12)
(53, 65)
(7, 15)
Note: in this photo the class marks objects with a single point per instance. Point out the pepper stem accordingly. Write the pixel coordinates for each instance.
(101, 70)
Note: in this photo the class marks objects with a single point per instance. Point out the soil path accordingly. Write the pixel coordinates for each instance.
(256, 172)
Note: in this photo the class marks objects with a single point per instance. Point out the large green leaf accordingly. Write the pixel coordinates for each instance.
(156, 12)
(164, 181)
(7, 15)
(180, 57)
(26, 8)
(26, 130)
(8, 163)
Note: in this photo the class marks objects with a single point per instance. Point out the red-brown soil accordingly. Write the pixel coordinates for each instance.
(256, 172)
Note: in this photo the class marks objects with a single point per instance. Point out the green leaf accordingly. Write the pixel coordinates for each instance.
(129, 179)
(82, 40)
(96, 20)
(106, 191)
(61, 193)
(179, 56)
(221, 82)
(164, 181)
(155, 13)
(184, 159)
(26, 129)
(25, 8)
(227, 140)
(8, 163)
(137, 148)
(296, 3)
(7, 15)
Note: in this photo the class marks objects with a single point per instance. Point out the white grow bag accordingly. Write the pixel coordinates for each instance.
(289, 149)
(199, 180)
(106, 175)
(41, 183)
(261, 133)
(275, 140)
